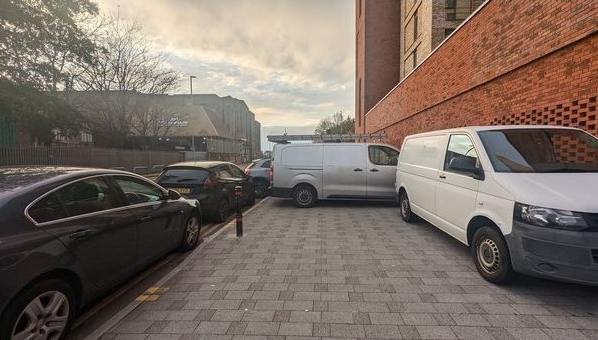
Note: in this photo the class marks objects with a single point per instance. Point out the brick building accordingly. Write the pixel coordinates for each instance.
(511, 62)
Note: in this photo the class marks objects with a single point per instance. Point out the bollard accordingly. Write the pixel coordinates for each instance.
(239, 217)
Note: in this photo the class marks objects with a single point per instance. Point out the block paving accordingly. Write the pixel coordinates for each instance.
(350, 270)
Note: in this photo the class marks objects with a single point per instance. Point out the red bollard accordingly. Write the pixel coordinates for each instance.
(239, 217)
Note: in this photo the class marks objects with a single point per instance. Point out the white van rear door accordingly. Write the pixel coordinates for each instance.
(344, 171)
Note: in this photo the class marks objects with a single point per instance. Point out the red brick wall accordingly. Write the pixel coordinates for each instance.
(378, 53)
(514, 62)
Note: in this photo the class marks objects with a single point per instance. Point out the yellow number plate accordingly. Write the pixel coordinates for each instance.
(182, 190)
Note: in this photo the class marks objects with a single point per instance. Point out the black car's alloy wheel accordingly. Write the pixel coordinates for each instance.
(191, 232)
(261, 189)
(223, 210)
(44, 310)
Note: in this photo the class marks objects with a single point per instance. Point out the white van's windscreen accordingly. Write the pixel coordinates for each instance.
(541, 150)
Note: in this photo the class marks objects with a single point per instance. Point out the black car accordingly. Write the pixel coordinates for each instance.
(70, 234)
(211, 182)
(259, 169)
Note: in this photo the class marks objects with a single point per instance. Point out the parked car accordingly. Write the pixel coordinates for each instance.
(212, 183)
(523, 197)
(70, 234)
(259, 170)
(308, 172)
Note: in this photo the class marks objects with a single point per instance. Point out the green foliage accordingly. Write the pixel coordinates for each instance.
(38, 112)
(42, 39)
(336, 125)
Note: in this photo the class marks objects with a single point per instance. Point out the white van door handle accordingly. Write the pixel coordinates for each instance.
(443, 176)
(374, 170)
(357, 169)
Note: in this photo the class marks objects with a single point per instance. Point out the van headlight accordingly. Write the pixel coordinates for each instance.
(549, 218)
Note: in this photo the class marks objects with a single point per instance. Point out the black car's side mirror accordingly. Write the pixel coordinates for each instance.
(173, 195)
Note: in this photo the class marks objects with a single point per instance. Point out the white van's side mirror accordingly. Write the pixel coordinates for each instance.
(467, 165)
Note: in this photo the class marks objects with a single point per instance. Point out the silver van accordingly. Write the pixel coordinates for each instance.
(309, 172)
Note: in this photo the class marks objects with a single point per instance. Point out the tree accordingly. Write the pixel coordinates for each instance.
(336, 125)
(124, 67)
(39, 41)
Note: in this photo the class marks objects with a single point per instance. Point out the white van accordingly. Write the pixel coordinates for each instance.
(525, 198)
(308, 172)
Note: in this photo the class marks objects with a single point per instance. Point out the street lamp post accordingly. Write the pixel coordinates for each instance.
(191, 91)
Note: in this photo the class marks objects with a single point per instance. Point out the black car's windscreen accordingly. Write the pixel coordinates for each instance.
(541, 150)
(183, 176)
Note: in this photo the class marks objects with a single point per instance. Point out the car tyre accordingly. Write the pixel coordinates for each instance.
(223, 211)
(491, 256)
(261, 188)
(191, 230)
(405, 208)
(44, 310)
(304, 196)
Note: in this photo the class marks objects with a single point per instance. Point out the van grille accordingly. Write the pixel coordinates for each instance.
(591, 221)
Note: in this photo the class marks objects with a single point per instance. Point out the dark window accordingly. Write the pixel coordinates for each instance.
(460, 9)
(138, 191)
(541, 150)
(448, 31)
(183, 176)
(224, 172)
(460, 149)
(383, 155)
(79, 198)
(414, 57)
(47, 209)
(266, 164)
(415, 24)
(236, 172)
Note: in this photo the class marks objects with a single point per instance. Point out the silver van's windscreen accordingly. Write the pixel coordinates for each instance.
(541, 150)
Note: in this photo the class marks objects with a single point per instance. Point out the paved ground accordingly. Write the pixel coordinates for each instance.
(350, 271)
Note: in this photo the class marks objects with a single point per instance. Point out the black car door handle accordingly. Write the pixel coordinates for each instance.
(374, 170)
(357, 169)
(443, 176)
(80, 234)
(145, 218)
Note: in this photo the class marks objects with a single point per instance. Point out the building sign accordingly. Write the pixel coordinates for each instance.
(174, 121)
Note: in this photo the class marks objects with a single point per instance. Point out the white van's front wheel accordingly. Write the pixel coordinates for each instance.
(491, 256)
(405, 208)
(304, 196)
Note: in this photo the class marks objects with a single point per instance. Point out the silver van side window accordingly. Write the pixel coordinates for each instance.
(382, 155)
(460, 150)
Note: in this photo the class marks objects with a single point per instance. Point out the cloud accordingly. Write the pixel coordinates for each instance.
(292, 61)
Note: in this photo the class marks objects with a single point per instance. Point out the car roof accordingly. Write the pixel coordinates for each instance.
(197, 164)
(16, 179)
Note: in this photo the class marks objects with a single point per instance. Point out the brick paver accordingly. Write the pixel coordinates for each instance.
(348, 270)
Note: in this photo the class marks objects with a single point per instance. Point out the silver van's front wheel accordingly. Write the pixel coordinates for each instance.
(304, 196)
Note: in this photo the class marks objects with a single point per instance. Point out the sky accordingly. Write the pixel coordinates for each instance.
(291, 61)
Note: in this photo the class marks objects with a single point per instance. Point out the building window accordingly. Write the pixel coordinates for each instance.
(414, 57)
(359, 106)
(359, 4)
(415, 24)
(448, 31)
(460, 9)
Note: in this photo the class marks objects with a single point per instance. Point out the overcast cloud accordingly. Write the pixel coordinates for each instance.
(291, 61)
